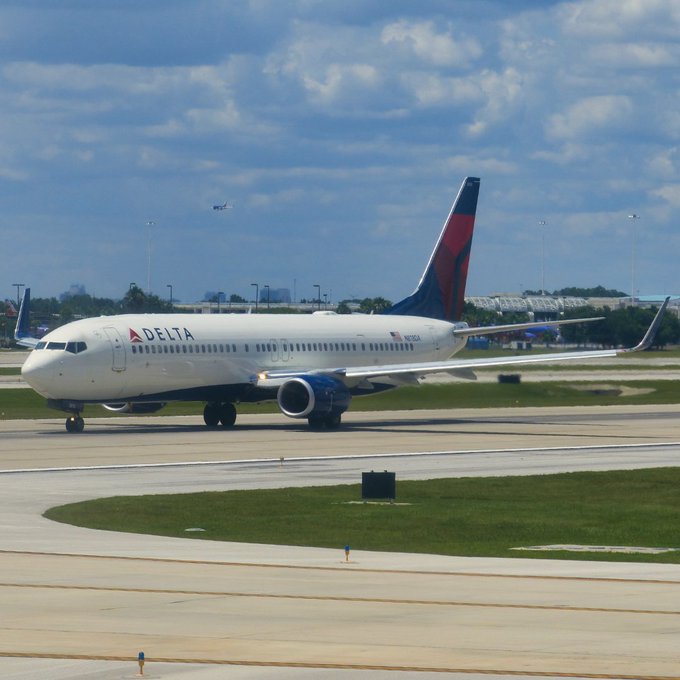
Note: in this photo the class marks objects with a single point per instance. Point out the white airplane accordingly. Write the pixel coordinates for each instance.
(311, 364)
(227, 205)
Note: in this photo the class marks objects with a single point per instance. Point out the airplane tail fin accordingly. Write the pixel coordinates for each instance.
(10, 309)
(441, 291)
(22, 331)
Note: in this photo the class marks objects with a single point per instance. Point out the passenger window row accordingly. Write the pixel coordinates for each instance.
(269, 347)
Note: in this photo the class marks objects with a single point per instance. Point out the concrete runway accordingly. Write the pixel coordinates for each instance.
(78, 603)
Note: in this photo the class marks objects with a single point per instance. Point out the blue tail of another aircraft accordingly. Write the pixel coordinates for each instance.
(441, 291)
(22, 332)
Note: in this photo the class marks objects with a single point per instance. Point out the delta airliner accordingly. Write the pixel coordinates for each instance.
(311, 364)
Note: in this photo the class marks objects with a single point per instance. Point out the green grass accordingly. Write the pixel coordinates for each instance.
(10, 370)
(634, 357)
(494, 395)
(475, 517)
(23, 403)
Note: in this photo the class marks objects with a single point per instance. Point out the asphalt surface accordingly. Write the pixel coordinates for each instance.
(79, 603)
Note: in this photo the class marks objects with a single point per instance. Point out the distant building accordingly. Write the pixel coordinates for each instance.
(275, 295)
(539, 307)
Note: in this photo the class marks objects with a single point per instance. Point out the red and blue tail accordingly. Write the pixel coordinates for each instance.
(441, 291)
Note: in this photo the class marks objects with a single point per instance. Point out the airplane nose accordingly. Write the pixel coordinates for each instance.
(38, 372)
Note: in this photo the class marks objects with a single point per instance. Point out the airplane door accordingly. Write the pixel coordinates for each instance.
(117, 347)
(435, 338)
(280, 349)
(285, 349)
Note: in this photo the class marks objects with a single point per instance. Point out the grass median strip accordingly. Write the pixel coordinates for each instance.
(471, 516)
(23, 403)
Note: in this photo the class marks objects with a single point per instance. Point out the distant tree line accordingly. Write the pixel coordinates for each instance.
(620, 327)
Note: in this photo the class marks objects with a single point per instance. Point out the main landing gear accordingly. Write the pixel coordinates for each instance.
(329, 422)
(215, 413)
(75, 423)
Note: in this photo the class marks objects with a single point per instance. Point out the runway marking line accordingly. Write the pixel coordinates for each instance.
(337, 598)
(340, 666)
(292, 458)
(350, 567)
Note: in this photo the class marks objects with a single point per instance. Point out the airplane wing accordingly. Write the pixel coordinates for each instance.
(462, 367)
(22, 331)
(489, 330)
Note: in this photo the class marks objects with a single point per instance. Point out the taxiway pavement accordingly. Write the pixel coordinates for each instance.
(203, 609)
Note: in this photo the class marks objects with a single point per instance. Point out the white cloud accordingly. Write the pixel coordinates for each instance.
(567, 153)
(433, 89)
(618, 18)
(341, 81)
(590, 115)
(636, 55)
(501, 93)
(422, 39)
(669, 193)
(13, 175)
(470, 165)
(665, 163)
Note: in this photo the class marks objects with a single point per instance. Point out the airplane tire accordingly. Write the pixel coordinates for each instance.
(324, 422)
(315, 423)
(75, 424)
(332, 422)
(227, 414)
(211, 415)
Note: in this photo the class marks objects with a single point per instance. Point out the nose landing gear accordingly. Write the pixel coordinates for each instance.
(75, 423)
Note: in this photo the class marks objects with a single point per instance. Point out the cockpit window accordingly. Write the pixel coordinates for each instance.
(41, 345)
(75, 347)
(56, 345)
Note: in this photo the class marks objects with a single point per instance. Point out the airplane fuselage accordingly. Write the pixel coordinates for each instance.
(137, 358)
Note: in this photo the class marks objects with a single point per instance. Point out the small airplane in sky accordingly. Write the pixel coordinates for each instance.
(227, 205)
(311, 364)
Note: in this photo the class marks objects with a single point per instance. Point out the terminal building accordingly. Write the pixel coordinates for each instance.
(538, 307)
(551, 308)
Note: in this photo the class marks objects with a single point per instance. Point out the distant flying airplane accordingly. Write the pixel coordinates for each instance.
(227, 205)
(311, 364)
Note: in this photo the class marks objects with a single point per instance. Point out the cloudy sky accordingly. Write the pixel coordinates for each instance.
(341, 132)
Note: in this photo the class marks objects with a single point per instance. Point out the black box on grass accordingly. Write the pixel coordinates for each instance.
(378, 485)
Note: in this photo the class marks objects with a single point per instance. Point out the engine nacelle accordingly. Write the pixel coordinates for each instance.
(135, 406)
(313, 396)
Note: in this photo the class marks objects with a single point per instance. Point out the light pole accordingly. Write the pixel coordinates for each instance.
(219, 297)
(325, 300)
(18, 286)
(149, 224)
(318, 294)
(169, 285)
(266, 285)
(632, 258)
(542, 224)
(257, 293)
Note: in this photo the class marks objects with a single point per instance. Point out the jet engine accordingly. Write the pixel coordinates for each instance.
(318, 398)
(135, 406)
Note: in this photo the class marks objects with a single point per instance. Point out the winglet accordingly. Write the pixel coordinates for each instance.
(22, 332)
(647, 341)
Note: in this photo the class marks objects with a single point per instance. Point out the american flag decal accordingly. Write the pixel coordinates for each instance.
(395, 335)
